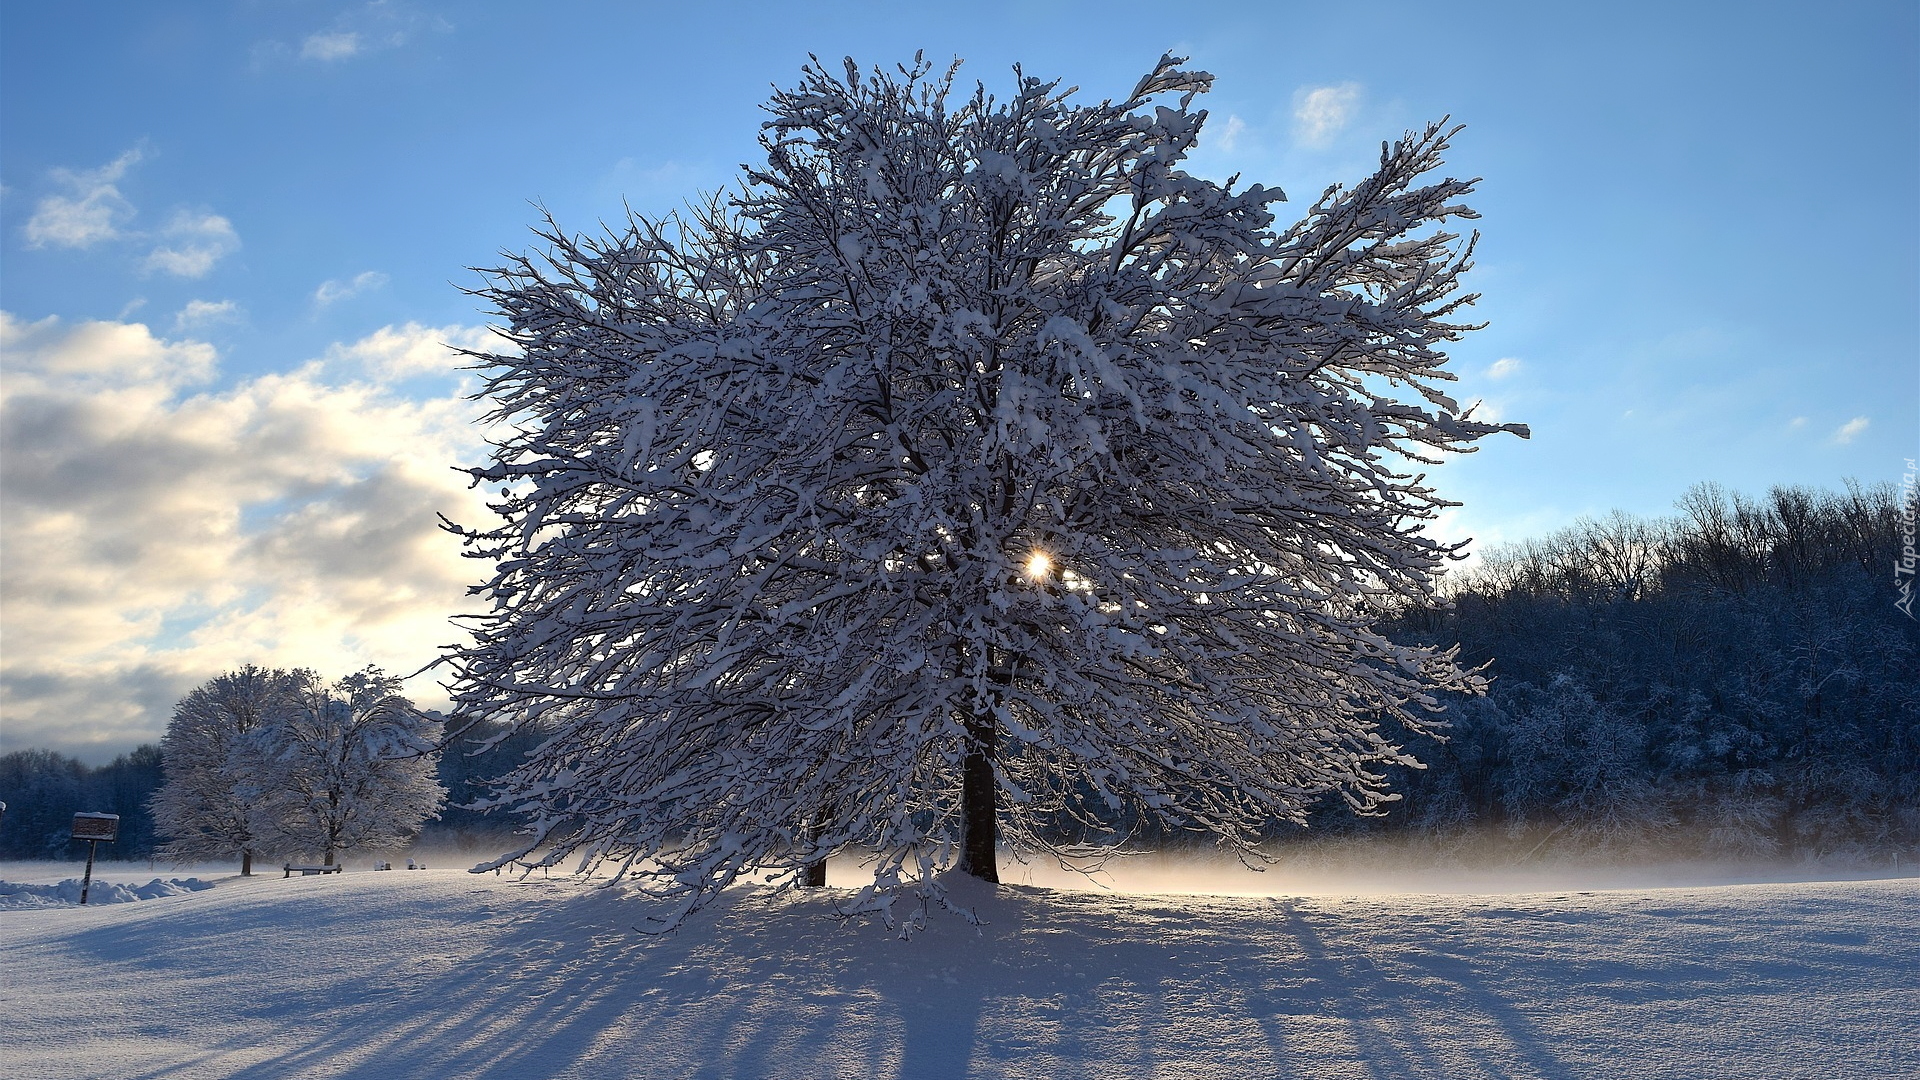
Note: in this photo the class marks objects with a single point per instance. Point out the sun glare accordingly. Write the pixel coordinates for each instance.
(1038, 564)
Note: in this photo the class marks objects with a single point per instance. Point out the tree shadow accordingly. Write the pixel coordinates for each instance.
(1437, 1018)
(559, 982)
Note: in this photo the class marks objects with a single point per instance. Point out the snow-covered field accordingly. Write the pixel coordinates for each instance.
(441, 974)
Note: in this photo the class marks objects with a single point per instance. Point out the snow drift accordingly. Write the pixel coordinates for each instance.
(17, 895)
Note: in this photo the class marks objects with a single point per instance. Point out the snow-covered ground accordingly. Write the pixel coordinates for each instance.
(445, 974)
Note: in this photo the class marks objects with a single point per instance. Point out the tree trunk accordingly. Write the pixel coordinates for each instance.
(979, 829)
(333, 826)
(246, 863)
(814, 874)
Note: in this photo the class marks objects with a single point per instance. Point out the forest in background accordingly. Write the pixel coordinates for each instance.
(1731, 682)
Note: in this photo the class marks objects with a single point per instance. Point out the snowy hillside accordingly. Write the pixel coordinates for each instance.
(444, 974)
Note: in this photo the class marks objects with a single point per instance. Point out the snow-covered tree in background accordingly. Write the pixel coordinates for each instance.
(977, 466)
(348, 766)
(1574, 765)
(209, 804)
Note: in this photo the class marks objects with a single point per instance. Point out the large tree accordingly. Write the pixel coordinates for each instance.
(351, 765)
(975, 466)
(208, 807)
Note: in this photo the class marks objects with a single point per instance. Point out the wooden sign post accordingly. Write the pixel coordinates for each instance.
(94, 828)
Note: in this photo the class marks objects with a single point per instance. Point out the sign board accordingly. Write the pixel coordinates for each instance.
(96, 826)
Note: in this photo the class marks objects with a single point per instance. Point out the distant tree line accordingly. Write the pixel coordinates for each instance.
(1733, 681)
(44, 789)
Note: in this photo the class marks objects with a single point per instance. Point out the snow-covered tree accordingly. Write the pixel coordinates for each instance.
(348, 766)
(208, 806)
(1575, 767)
(975, 466)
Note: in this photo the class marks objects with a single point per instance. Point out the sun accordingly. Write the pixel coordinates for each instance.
(1038, 565)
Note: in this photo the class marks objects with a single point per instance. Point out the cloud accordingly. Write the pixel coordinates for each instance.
(355, 32)
(1503, 367)
(1319, 112)
(205, 313)
(194, 241)
(1228, 138)
(1486, 411)
(333, 290)
(326, 47)
(91, 211)
(393, 354)
(1850, 430)
(159, 532)
(95, 356)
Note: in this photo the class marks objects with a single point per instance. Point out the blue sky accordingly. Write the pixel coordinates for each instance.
(233, 239)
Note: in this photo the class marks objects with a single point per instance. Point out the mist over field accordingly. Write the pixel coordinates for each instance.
(1490, 864)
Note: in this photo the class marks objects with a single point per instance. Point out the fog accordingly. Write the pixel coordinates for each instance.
(1326, 867)
(1387, 868)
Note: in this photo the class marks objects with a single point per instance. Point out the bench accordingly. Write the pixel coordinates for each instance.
(309, 871)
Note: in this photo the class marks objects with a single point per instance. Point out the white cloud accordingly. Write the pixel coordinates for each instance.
(194, 242)
(1319, 112)
(158, 532)
(1851, 430)
(1487, 412)
(392, 354)
(1503, 367)
(355, 32)
(333, 290)
(1796, 423)
(326, 47)
(1228, 138)
(91, 211)
(205, 313)
(96, 356)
